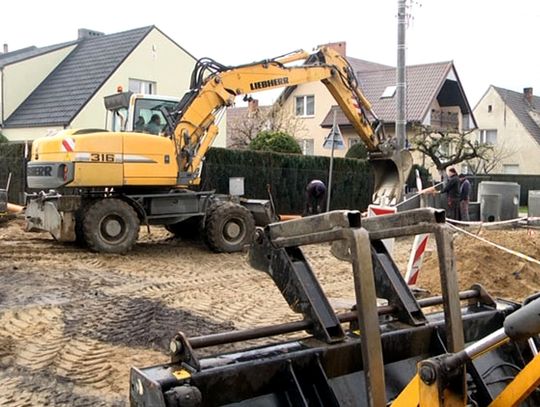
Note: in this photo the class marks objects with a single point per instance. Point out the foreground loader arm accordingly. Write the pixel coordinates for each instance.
(195, 122)
(435, 383)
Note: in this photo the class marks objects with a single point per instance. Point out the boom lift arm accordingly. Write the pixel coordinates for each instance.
(194, 121)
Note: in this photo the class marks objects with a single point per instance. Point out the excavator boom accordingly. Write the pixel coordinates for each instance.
(194, 126)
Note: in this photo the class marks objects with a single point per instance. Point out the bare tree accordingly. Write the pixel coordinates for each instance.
(491, 160)
(447, 148)
(273, 118)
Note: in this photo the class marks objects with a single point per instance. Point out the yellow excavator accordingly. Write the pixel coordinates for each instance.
(114, 181)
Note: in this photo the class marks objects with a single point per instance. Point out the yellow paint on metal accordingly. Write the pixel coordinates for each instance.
(98, 174)
(181, 374)
(522, 385)
(410, 395)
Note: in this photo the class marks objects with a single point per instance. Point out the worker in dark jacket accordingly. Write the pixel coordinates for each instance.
(315, 193)
(464, 196)
(451, 188)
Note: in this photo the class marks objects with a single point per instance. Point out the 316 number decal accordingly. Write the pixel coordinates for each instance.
(108, 158)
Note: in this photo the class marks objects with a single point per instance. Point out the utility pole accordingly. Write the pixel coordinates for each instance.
(401, 119)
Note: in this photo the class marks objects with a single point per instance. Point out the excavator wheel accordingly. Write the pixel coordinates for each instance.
(110, 226)
(229, 227)
(189, 229)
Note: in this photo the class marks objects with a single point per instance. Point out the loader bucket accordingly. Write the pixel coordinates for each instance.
(390, 176)
(363, 357)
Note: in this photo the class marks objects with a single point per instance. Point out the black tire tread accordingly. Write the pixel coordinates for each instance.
(218, 215)
(91, 220)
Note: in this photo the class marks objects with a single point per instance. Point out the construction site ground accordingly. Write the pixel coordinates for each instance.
(74, 322)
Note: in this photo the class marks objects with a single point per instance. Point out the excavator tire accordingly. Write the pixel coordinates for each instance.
(110, 226)
(229, 227)
(204, 225)
(189, 229)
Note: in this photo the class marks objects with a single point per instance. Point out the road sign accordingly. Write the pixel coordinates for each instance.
(335, 134)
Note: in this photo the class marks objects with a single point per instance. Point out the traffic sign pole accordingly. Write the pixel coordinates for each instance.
(329, 193)
(332, 141)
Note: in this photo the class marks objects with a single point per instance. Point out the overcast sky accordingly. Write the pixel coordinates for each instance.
(490, 41)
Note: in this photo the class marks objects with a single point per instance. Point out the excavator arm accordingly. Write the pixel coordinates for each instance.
(214, 86)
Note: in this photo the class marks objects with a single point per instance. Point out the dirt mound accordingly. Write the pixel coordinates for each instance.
(502, 274)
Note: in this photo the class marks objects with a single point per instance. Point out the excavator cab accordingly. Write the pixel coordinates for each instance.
(132, 112)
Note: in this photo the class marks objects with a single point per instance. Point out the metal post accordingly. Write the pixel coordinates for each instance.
(329, 190)
(401, 120)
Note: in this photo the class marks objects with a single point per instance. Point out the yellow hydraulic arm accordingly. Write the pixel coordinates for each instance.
(194, 125)
(440, 380)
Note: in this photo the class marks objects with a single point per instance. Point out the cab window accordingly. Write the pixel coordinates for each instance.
(148, 117)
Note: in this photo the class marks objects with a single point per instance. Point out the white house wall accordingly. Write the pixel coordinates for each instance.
(156, 59)
(511, 135)
(146, 62)
(20, 79)
(29, 133)
(311, 126)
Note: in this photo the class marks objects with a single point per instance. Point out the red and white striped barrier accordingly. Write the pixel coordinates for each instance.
(415, 258)
(377, 210)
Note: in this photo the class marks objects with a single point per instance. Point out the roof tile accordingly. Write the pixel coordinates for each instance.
(521, 107)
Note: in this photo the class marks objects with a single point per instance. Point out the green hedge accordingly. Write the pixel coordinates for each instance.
(12, 161)
(287, 175)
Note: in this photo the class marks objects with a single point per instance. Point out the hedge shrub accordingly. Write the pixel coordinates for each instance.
(275, 141)
(287, 175)
(12, 161)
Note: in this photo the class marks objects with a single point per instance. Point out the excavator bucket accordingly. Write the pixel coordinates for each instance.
(390, 176)
(364, 357)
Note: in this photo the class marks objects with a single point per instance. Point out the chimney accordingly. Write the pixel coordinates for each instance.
(339, 47)
(528, 93)
(253, 105)
(6, 50)
(86, 33)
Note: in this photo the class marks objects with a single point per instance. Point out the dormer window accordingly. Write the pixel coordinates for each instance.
(389, 92)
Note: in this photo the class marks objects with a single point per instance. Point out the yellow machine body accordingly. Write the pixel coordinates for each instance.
(111, 159)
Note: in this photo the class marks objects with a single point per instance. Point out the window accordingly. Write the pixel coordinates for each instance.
(145, 109)
(305, 105)
(490, 108)
(389, 92)
(353, 141)
(307, 146)
(139, 86)
(510, 168)
(488, 136)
